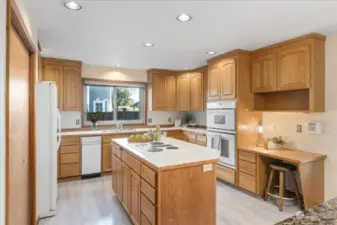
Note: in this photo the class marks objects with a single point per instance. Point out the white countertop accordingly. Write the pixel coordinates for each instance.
(187, 153)
(113, 131)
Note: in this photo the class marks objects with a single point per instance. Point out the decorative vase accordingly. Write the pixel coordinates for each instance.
(93, 125)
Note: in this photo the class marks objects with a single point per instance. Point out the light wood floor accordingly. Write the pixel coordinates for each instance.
(91, 202)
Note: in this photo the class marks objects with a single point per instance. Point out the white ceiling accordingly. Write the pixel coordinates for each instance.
(113, 32)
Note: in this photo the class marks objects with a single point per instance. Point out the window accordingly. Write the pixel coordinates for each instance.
(115, 103)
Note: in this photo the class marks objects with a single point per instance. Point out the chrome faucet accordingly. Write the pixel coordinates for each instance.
(119, 127)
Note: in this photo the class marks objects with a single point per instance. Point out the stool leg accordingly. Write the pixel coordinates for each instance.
(270, 181)
(281, 190)
(297, 190)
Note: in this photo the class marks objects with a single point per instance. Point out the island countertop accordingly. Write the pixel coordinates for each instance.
(186, 154)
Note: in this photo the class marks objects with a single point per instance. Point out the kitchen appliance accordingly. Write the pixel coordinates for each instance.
(48, 140)
(91, 156)
(221, 131)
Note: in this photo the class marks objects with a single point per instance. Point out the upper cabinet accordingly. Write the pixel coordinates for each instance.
(264, 73)
(175, 90)
(294, 68)
(221, 79)
(170, 92)
(197, 91)
(290, 76)
(67, 76)
(184, 92)
(227, 79)
(161, 90)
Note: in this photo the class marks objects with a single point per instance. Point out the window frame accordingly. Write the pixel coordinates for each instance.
(130, 84)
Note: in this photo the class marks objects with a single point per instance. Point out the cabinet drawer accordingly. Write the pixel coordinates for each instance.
(69, 158)
(247, 167)
(148, 209)
(70, 149)
(225, 174)
(70, 170)
(131, 162)
(117, 151)
(148, 191)
(144, 220)
(202, 138)
(247, 182)
(148, 175)
(71, 141)
(247, 156)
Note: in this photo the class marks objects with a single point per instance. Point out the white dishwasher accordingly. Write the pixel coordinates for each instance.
(91, 156)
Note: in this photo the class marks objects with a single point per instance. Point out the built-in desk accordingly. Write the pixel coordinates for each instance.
(253, 167)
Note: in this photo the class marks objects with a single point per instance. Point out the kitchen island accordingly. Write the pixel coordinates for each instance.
(169, 187)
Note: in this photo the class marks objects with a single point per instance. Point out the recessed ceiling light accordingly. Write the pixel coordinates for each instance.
(211, 53)
(186, 68)
(148, 44)
(117, 65)
(72, 6)
(184, 17)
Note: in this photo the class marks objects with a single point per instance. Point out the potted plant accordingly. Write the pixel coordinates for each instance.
(93, 118)
(278, 141)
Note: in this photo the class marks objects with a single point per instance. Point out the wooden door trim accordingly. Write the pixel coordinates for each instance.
(15, 21)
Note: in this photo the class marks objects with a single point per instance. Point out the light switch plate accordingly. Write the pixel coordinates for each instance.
(298, 128)
(149, 120)
(207, 167)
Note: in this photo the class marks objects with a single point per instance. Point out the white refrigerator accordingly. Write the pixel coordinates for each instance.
(48, 139)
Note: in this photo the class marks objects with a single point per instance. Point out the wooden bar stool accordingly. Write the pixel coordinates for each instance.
(282, 168)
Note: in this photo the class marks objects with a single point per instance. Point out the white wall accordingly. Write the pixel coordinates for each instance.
(163, 117)
(325, 143)
(113, 73)
(2, 107)
(200, 118)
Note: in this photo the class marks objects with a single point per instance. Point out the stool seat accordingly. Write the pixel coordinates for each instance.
(283, 167)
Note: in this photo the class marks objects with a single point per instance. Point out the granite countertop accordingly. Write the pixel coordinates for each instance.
(187, 153)
(324, 214)
(127, 131)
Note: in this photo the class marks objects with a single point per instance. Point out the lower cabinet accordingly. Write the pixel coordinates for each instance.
(106, 157)
(126, 183)
(69, 157)
(135, 196)
(247, 171)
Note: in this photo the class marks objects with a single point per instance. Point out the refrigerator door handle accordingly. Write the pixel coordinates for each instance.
(58, 128)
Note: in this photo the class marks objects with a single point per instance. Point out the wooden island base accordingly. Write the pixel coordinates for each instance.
(179, 195)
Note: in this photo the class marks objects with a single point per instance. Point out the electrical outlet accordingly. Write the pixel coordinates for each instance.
(149, 120)
(298, 128)
(169, 119)
(77, 122)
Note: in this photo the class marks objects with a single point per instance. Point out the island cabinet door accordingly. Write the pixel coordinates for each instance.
(114, 172)
(135, 196)
(119, 178)
(126, 185)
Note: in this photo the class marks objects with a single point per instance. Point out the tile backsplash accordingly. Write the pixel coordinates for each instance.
(71, 120)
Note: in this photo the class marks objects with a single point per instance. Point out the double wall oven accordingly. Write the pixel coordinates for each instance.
(221, 130)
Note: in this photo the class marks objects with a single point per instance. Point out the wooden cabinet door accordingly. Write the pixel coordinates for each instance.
(72, 89)
(106, 157)
(126, 185)
(264, 76)
(158, 81)
(55, 73)
(135, 196)
(228, 79)
(197, 92)
(169, 96)
(119, 178)
(114, 170)
(294, 68)
(184, 92)
(213, 81)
